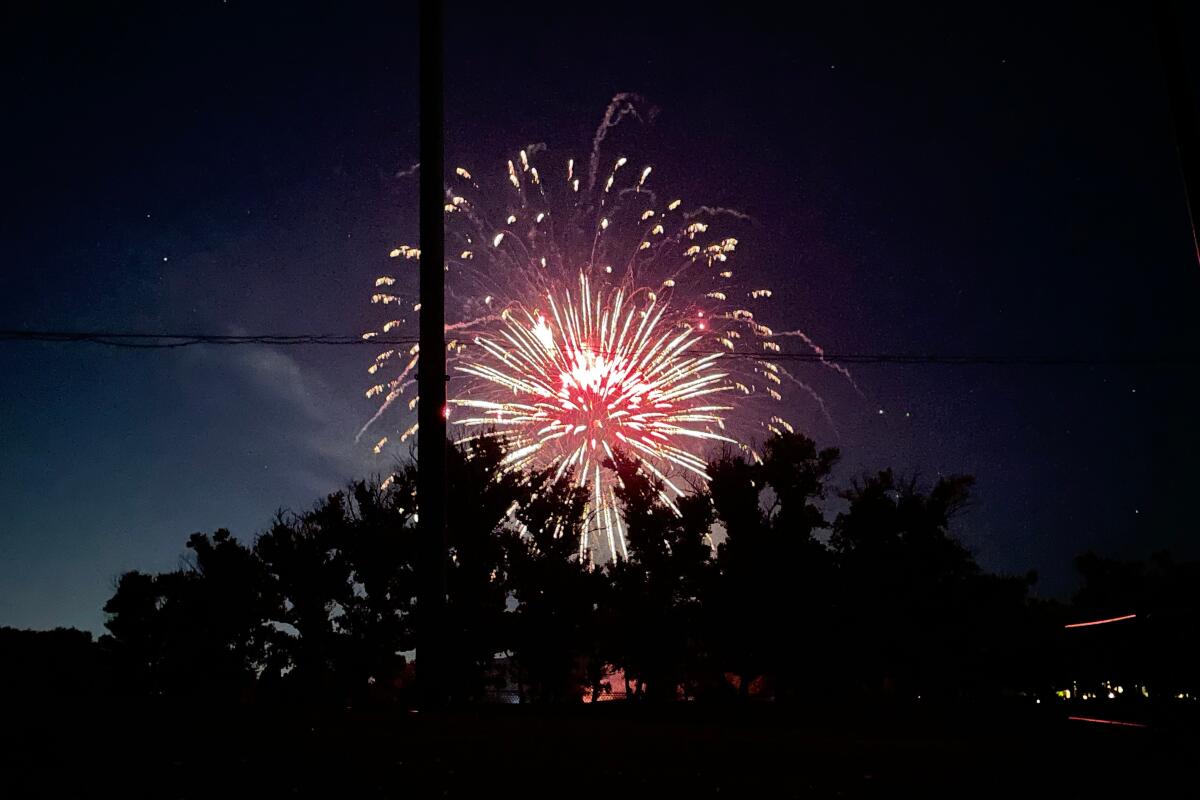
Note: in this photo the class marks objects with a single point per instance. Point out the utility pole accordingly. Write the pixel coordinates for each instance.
(431, 372)
(1183, 108)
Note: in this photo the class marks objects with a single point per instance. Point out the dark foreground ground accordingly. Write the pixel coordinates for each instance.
(195, 750)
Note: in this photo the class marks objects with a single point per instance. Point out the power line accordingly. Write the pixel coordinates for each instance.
(160, 341)
(166, 341)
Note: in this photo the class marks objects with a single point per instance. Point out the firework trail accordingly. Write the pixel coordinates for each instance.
(588, 316)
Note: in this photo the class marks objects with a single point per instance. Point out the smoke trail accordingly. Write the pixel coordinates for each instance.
(383, 407)
(820, 352)
(716, 211)
(621, 106)
(470, 323)
(816, 397)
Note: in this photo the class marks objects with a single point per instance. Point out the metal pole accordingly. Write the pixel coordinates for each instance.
(1183, 108)
(431, 371)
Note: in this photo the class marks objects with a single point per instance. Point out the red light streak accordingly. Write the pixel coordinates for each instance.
(1110, 722)
(1099, 621)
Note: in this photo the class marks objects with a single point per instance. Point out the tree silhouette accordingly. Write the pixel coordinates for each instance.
(771, 607)
(322, 608)
(198, 630)
(42, 666)
(311, 579)
(554, 621)
(478, 525)
(376, 538)
(656, 598)
(920, 608)
(228, 605)
(136, 632)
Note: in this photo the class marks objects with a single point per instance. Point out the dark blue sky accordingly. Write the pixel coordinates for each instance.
(945, 180)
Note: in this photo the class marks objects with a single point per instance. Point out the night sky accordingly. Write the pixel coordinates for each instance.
(950, 180)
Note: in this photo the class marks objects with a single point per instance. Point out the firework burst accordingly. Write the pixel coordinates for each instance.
(596, 372)
(587, 315)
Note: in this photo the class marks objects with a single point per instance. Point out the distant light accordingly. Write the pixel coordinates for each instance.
(164, 258)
